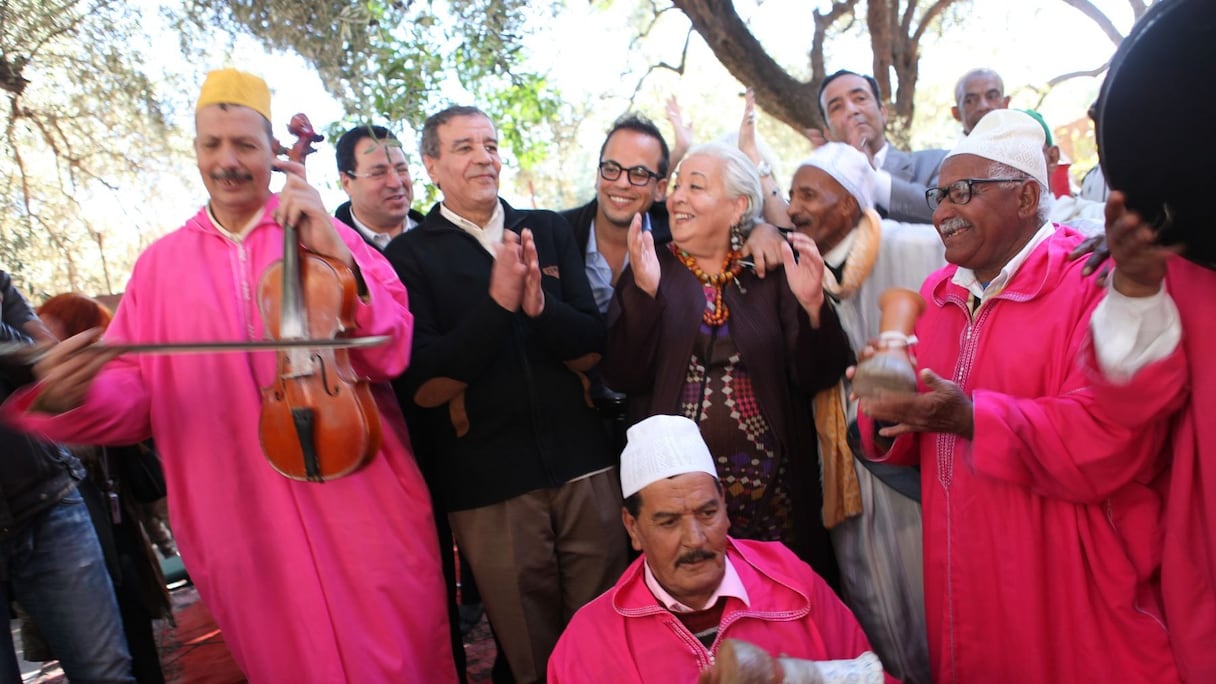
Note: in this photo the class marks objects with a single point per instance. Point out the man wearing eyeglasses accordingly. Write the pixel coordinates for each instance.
(631, 179)
(376, 177)
(1041, 514)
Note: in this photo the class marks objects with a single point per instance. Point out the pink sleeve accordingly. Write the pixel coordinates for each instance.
(1089, 439)
(842, 634)
(385, 311)
(574, 661)
(116, 408)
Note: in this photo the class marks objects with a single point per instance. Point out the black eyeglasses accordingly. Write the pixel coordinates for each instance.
(960, 191)
(638, 175)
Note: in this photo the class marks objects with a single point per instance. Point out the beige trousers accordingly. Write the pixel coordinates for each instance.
(537, 558)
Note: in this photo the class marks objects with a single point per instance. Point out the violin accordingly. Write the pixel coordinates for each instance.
(319, 420)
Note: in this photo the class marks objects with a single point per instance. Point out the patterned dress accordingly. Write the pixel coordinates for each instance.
(718, 394)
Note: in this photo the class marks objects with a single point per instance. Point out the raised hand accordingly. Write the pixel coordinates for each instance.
(681, 131)
(642, 258)
(1132, 241)
(747, 128)
(817, 136)
(533, 301)
(507, 275)
(300, 206)
(1095, 247)
(805, 276)
(764, 247)
(681, 128)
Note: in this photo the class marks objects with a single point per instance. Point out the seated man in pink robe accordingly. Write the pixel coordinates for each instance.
(309, 582)
(693, 586)
(1042, 499)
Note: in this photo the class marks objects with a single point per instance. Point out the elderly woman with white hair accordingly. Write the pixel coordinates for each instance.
(693, 332)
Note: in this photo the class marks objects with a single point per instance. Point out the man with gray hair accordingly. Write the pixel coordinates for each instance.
(1041, 506)
(978, 92)
(504, 325)
(871, 509)
(694, 588)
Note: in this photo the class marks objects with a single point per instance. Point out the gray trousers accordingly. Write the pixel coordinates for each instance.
(882, 574)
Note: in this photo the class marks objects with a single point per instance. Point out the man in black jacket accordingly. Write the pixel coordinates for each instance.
(504, 323)
(376, 177)
(50, 559)
(631, 179)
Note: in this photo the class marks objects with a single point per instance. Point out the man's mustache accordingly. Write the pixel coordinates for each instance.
(232, 175)
(695, 556)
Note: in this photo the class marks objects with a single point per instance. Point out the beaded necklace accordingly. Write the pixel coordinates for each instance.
(716, 314)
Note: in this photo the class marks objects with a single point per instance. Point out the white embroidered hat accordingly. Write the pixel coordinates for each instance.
(661, 447)
(849, 167)
(1010, 137)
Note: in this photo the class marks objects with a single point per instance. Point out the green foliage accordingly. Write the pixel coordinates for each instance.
(396, 61)
(83, 122)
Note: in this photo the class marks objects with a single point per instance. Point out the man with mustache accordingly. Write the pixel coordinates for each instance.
(310, 582)
(1041, 491)
(506, 324)
(376, 177)
(853, 110)
(871, 509)
(693, 586)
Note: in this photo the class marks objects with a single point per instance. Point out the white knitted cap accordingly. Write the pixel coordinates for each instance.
(1010, 137)
(661, 447)
(849, 167)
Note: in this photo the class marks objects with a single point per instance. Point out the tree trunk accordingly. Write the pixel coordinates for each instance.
(779, 94)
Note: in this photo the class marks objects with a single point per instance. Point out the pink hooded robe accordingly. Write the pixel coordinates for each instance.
(1043, 534)
(1188, 568)
(331, 582)
(624, 636)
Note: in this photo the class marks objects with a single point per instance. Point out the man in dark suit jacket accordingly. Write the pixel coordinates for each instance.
(631, 180)
(853, 110)
(376, 177)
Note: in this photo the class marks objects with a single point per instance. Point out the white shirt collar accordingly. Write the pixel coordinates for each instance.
(965, 277)
(880, 157)
(377, 238)
(488, 235)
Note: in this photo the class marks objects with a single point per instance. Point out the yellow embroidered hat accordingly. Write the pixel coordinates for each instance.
(230, 86)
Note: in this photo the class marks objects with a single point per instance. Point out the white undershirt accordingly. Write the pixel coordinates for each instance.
(488, 235)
